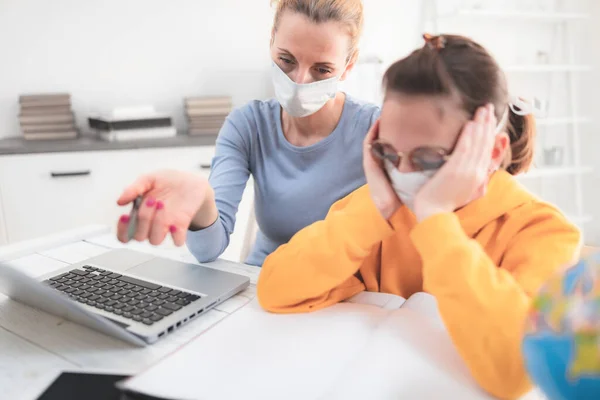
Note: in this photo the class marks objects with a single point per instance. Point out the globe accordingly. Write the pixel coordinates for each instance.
(561, 344)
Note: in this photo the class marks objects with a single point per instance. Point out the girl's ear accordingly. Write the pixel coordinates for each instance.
(501, 146)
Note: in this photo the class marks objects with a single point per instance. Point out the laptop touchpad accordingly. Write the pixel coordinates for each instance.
(182, 275)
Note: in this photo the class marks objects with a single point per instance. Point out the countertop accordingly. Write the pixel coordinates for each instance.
(18, 145)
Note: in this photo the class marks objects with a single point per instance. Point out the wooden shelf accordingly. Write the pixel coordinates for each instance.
(554, 171)
(562, 121)
(548, 68)
(522, 15)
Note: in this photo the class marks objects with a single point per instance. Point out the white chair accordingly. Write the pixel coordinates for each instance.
(244, 234)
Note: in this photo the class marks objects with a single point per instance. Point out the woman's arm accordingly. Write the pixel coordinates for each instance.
(208, 237)
(320, 265)
(484, 305)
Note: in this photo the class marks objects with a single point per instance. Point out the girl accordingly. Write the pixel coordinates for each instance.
(441, 213)
(303, 148)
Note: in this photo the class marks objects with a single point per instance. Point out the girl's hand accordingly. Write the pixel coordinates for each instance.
(382, 193)
(465, 172)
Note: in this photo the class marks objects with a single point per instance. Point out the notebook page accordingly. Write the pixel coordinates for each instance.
(253, 354)
(409, 357)
(383, 300)
(425, 304)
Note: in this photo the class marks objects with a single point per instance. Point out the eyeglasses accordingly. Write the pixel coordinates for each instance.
(420, 158)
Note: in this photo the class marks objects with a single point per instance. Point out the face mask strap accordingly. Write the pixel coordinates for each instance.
(502, 122)
(523, 107)
(520, 107)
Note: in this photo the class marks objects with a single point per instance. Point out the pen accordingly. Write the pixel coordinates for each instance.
(133, 217)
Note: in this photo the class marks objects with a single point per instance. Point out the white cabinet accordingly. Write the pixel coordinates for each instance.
(44, 193)
(121, 168)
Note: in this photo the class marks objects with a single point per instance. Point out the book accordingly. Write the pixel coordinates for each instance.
(47, 116)
(203, 131)
(45, 99)
(373, 346)
(138, 134)
(50, 135)
(209, 112)
(206, 120)
(68, 118)
(44, 110)
(208, 101)
(108, 124)
(37, 128)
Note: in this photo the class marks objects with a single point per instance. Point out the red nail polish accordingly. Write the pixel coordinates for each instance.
(150, 202)
(124, 219)
(160, 205)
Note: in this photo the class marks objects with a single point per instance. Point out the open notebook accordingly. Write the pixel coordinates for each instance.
(374, 346)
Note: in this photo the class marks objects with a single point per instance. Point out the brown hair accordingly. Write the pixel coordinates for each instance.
(458, 67)
(347, 12)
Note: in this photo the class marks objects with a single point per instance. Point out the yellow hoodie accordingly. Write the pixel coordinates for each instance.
(482, 263)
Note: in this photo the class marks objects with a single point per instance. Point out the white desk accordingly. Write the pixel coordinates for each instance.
(35, 346)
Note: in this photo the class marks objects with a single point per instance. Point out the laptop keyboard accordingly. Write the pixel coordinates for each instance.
(121, 295)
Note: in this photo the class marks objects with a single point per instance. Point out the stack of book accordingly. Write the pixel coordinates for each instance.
(47, 116)
(206, 115)
(127, 124)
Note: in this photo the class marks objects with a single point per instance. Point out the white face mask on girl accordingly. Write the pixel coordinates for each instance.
(301, 100)
(407, 184)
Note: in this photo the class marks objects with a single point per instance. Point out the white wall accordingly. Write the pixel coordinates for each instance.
(122, 52)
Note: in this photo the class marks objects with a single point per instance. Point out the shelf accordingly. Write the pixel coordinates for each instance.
(548, 68)
(562, 121)
(523, 15)
(554, 171)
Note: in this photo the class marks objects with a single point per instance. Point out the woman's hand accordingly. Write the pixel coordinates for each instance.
(465, 172)
(382, 193)
(172, 201)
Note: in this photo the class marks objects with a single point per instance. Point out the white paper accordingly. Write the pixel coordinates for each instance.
(425, 304)
(409, 357)
(387, 301)
(253, 354)
(352, 350)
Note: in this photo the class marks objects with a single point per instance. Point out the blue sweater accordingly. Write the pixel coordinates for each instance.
(294, 186)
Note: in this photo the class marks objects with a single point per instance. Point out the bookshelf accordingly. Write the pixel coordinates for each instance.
(543, 16)
(558, 23)
(557, 171)
(563, 121)
(547, 68)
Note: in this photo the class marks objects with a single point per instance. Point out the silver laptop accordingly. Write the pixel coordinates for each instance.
(134, 296)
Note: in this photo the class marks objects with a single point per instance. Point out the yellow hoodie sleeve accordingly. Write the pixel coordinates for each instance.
(484, 305)
(319, 266)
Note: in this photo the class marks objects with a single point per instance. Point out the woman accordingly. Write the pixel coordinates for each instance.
(441, 213)
(303, 149)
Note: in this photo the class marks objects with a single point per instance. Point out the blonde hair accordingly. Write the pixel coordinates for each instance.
(347, 12)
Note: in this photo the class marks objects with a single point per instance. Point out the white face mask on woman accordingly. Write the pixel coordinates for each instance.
(301, 100)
